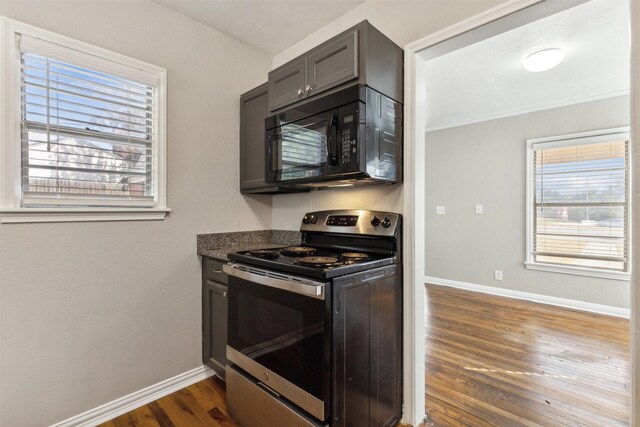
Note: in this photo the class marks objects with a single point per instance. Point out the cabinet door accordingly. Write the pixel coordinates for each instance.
(333, 63)
(253, 110)
(385, 347)
(367, 349)
(351, 358)
(287, 84)
(214, 348)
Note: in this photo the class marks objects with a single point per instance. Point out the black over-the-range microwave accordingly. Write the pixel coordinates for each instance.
(350, 137)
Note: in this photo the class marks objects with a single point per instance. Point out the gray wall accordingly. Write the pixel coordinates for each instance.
(484, 163)
(93, 311)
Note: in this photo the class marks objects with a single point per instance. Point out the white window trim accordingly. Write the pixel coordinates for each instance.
(10, 147)
(575, 138)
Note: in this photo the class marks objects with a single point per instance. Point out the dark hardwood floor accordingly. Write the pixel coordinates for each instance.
(491, 361)
(494, 361)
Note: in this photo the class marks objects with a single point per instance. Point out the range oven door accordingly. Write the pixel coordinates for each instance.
(320, 147)
(279, 332)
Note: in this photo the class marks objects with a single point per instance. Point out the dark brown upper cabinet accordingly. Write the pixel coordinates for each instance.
(333, 63)
(286, 84)
(361, 54)
(253, 110)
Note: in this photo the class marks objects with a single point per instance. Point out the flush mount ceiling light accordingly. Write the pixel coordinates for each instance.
(543, 60)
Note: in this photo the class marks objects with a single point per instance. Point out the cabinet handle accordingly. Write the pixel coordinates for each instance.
(224, 294)
(308, 88)
(217, 271)
(300, 91)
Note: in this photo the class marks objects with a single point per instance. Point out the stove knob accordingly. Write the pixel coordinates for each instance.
(375, 221)
(312, 219)
(305, 220)
(386, 222)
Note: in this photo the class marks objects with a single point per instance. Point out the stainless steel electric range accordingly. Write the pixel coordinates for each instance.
(314, 330)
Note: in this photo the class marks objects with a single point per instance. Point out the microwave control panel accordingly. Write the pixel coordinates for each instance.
(349, 146)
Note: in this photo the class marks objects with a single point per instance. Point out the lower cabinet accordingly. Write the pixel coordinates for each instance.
(214, 316)
(367, 349)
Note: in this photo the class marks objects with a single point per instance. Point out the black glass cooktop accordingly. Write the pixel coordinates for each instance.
(320, 263)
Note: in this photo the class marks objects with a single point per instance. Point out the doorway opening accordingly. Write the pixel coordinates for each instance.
(477, 106)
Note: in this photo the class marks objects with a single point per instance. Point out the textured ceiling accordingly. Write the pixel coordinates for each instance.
(486, 80)
(269, 25)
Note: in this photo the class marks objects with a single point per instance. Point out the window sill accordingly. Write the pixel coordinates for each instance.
(31, 215)
(591, 272)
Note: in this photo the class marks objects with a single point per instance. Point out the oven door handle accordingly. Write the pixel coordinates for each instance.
(297, 285)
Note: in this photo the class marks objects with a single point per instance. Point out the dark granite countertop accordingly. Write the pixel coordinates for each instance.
(218, 245)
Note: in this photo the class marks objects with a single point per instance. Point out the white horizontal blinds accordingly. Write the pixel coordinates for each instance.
(581, 209)
(88, 137)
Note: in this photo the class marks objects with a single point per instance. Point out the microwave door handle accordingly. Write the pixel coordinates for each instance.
(332, 140)
(328, 133)
(269, 159)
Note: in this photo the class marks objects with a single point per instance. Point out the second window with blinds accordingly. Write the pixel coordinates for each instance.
(578, 204)
(85, 129)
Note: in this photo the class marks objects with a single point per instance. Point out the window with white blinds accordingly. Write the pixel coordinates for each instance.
(580, 202)
(89, 130)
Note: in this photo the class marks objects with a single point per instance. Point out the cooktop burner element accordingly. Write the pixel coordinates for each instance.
(297, 250)
(355, 256)
(320, 261)
(264, 253)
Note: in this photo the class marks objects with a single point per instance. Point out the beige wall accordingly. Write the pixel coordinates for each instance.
(403, 22)
(484, 163)
(93, 311)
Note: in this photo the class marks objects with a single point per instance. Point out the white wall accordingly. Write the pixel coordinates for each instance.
(403, 22)
(93, 311)
(484, 163)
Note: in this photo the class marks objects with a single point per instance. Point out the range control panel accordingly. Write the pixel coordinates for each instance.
(342, 220)
(374, 223)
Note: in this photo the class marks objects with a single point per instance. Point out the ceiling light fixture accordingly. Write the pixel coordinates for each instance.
(543, 60)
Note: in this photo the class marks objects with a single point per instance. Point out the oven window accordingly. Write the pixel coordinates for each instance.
(281, 331)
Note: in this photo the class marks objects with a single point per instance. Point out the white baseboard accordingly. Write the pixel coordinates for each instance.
(139, 398)
(543, 299)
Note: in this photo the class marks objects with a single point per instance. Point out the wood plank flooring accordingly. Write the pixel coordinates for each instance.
(494, 361)
(200, 404)
(491, 361)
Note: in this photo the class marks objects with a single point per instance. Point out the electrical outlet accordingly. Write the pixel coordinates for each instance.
(479, 209)
(497, 274)
(440, 210)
